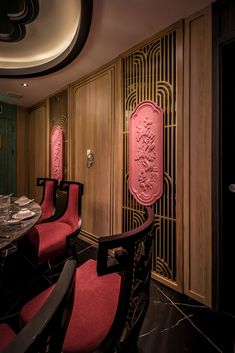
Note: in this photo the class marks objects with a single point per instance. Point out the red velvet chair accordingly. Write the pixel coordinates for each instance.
(58, 236)
(48, 202)
(111, 294)
(46, 331)
(7, 335)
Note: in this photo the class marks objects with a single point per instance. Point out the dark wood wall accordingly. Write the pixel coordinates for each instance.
(223, 142)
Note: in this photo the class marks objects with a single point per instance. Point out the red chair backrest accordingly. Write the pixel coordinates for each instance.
(47, 205)
(72, 213)
(49, 197)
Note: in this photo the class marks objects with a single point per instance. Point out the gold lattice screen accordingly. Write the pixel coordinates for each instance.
(150, 73)
(59, 116)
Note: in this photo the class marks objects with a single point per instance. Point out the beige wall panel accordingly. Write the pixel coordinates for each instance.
(93, 119)
(117, 138)
(22, 152)
(197, 158)
(38, 148)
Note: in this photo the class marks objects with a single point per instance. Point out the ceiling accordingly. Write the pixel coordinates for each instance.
(116, 26)
(40, 37)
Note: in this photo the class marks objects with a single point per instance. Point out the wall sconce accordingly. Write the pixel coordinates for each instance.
(89, 158)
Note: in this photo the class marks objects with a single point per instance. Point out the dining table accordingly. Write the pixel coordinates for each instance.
(12, 231)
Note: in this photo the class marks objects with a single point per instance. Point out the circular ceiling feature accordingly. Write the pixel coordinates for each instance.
(14, 15)
(53, 40)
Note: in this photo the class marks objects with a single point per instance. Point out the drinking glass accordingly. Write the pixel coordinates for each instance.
(4, 208)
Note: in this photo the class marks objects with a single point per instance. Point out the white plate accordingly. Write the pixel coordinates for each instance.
(24, 203)
(16, 216)
(22, 199)
(13, 221)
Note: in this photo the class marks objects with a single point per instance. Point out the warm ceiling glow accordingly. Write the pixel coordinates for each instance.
(47, 37)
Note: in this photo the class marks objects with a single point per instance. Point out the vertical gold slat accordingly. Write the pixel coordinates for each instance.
(171, 157)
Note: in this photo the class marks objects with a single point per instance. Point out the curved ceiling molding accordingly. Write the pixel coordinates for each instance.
(52, 41)
(14, 15)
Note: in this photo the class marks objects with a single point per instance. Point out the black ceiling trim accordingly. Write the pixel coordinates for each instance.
(66, 57)
(13, 20)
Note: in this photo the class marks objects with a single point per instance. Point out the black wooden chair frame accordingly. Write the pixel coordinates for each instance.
(71, 239)
(129, 254)
(46, 331)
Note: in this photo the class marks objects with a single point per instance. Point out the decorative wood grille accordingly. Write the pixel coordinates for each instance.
(150, 74)
(59, 117)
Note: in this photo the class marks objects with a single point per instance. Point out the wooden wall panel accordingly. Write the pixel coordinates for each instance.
(22, 164)
(38, 148)
(92, 127)
(197, 157)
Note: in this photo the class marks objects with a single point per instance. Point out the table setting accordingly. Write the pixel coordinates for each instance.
(17, 216)
(13, 215)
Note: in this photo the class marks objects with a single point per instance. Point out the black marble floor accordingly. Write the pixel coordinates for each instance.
(174, 323)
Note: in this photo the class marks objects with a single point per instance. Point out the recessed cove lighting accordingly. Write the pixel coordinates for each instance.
(34, 52)
(24, 84)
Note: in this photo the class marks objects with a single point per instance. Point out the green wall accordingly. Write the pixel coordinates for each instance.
(7, 148)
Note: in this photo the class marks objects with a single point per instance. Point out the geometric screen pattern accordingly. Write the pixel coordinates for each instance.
(58, 112)
(150, 74)
(59, 117)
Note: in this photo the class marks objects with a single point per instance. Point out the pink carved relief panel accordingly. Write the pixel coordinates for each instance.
(57, 152)
(146, 153)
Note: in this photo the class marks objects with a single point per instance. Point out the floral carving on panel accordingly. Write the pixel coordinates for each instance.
(57, 150)
(146, 153)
